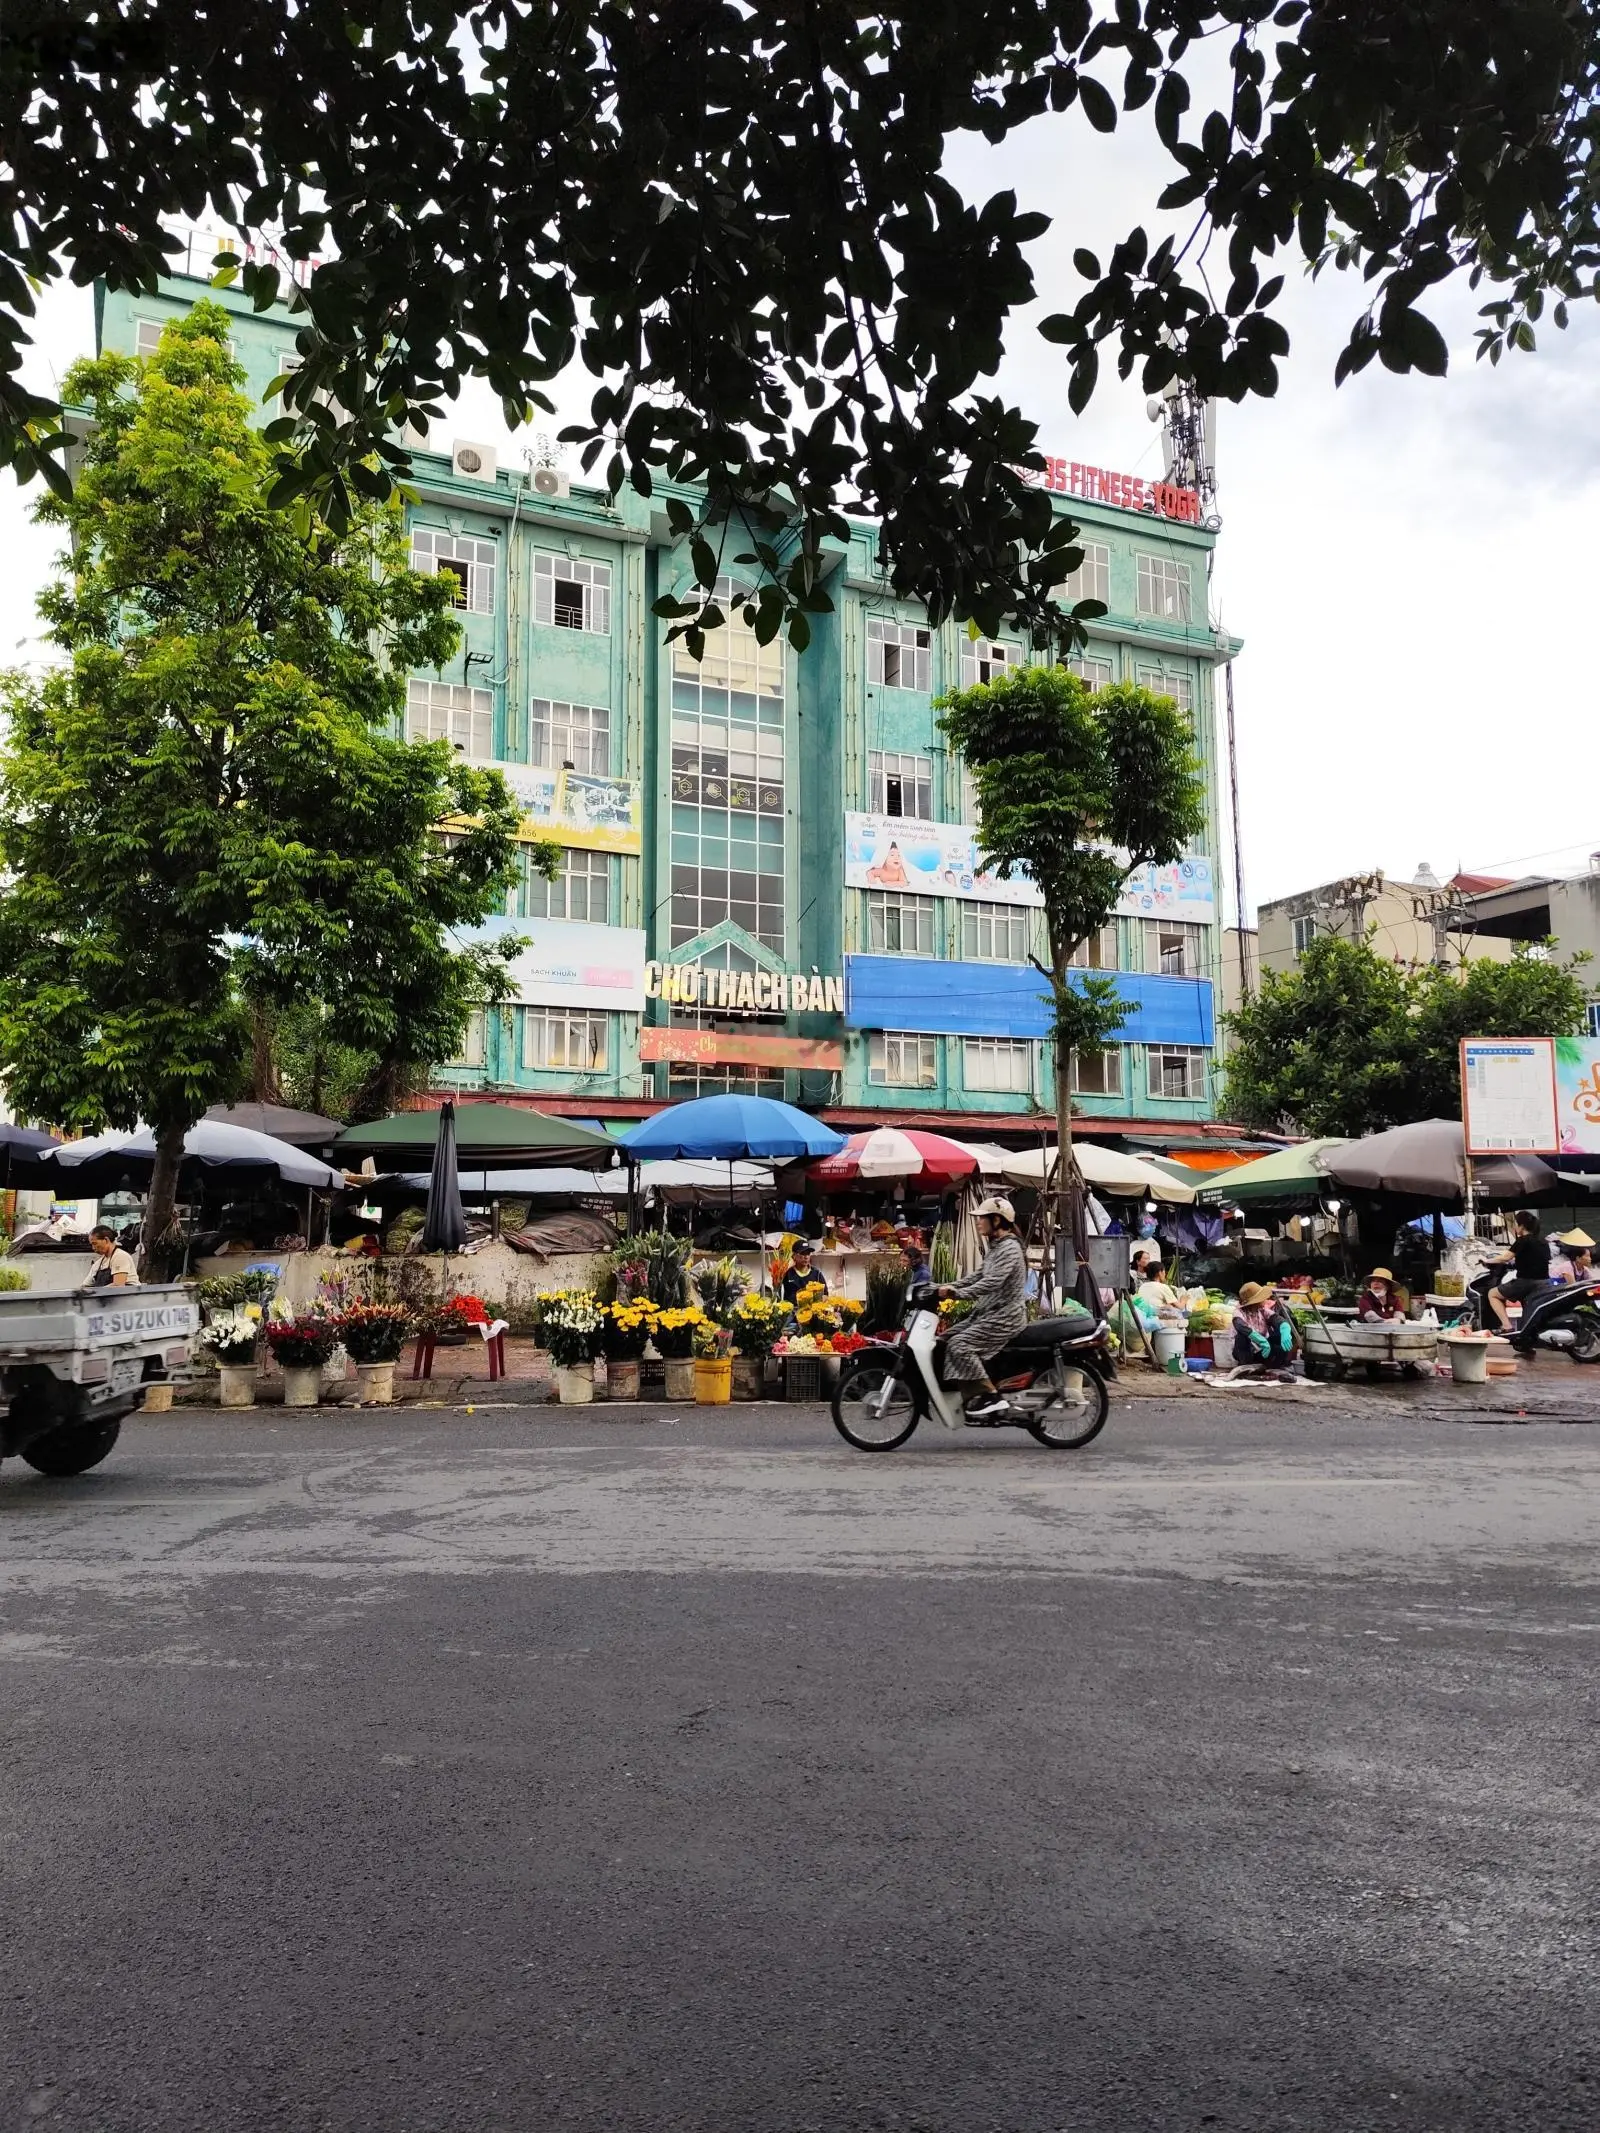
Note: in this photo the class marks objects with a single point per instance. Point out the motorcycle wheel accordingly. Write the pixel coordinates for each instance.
(875, 1405)
(72, 1449)
(1586, 1338)
(1072, 1419)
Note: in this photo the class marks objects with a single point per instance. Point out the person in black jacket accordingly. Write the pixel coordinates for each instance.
(1530, 1256)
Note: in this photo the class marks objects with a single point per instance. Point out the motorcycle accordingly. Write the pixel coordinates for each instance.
(1563, 1315)
(1054, 1373)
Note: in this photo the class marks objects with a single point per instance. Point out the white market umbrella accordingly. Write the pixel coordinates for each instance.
(1123, 1176)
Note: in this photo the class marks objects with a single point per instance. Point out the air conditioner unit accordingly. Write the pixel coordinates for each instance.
(475, 461)
(549, 481)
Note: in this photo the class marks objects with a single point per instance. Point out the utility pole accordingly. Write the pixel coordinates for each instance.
(1245, 983)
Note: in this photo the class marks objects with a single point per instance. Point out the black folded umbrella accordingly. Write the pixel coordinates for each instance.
(20, 1150)
(444, 1227)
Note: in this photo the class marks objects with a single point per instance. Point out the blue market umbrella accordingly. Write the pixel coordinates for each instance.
(444, 1226)
(729, 1128)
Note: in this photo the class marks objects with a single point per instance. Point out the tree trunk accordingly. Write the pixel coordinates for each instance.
(161, 1252)
(266, 1085)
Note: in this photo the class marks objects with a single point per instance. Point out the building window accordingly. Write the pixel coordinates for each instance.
(898, 654)
(1164, 588)
(981, 661)
(577, 736)
(1303, 932)
(1177, 1070)
(900, 925)
(896, 1060)
(1594, 1018)
(582, 893)
(572, 595)
(900, 784)
(728, 798)
(474, 1049)
(1161, 683)
(1097, 1073)
(1092, 578)
(691, 1081)
(1097, 673)
(1172, 948)
(573, 1038)
(1099, 951)
(995, 933)
(147, 336)
(467, 563)
(997, 1064)
(444, 711)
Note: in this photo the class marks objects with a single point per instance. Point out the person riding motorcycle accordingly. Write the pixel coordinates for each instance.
(997, 1289)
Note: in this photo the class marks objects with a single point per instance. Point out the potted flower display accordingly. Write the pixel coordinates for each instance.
(758, 1323)
(233, 1337)
(570, 1325)
(674, 1339)
(301, 1342)
(625, 1328)
(450, 1322)
(713, 1364)
(373, 1335)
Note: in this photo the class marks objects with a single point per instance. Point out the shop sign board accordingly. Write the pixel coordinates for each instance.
(925, 859)
(592, 814)
(1103, 485)
(1508, 1095)
(709, 1047)
(1578, 1095)
(568, 965)
(1184, 891)
(770, 992)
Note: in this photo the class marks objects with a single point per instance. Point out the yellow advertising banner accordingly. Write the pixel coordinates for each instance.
(573, 807)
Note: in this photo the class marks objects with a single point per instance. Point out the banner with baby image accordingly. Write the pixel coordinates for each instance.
(925, 859)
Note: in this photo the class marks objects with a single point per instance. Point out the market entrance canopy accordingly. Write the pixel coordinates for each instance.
(488, 1137)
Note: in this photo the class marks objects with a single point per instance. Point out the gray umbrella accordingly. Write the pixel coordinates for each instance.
(1427, 1161)
(444, 1227)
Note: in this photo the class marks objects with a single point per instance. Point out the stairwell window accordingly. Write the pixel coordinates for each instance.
(1165, 588)
(900, 784)
(575, 735)
(572, 1039)
(1177, 1071)
(899, 655)
(445, 711)
(1092, 578)
(569, 594)
(997, 1065)
(896, 1059)
(581, 893)
(469, 564)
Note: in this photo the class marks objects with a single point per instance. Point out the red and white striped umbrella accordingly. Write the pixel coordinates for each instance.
(895, 1152)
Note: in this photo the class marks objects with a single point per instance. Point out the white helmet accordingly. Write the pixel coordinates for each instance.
(1002, 1208)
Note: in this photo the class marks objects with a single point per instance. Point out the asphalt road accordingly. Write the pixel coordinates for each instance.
(433, 1773)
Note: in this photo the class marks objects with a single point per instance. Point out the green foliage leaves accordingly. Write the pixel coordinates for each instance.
(1348, 1042)
(203, 806)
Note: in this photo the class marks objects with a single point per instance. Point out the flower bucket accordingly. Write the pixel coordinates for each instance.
(574, 1384)
(376, 1381)
(157, 1399)
(622, 1381)
(748, 1371)
(302, 1388)
(238, 1381)
(680, 1377)
(713, 1380)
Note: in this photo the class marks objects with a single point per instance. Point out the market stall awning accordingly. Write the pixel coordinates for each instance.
(110, 1160)
(488, 1137)
(1293, 1177)
(1123, 1177)
(1426, 1160)
(889, 1153)
(301, 1129)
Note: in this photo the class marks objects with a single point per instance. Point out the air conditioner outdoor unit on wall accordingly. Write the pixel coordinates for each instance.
(475, 461)
(549, 481)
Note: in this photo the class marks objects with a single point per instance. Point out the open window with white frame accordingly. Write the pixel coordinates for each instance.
(899, 654)
(982, 659)
(446, 711)
(899, 784)
(901, 925)
(572, 593)
(1097, 1073)
(468, 563)
(569, 1039)
(997, 1065)
(1176, 1072)
(902, 1059)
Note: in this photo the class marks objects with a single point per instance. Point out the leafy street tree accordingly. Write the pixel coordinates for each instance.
(1076, 787)
(1349, 1042)
(203, 808)
(736, 214)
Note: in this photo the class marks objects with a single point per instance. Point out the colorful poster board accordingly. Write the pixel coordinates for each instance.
(1508, 1095)
(708, 1047)
(1578, 1095)
(1185, 891)
(925, 859)
(568, 965)
(573, 807)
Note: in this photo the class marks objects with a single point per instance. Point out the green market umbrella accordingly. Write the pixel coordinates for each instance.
(488, 1137)
(1291, 1174)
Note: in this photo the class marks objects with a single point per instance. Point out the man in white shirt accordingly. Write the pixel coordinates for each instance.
(117, 1269)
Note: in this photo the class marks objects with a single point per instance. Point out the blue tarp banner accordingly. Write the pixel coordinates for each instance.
(1008, 1000)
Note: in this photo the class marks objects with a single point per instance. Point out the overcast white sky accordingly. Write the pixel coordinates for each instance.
(1409, 561)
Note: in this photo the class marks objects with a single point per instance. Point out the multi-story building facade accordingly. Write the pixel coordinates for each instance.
(770, 880)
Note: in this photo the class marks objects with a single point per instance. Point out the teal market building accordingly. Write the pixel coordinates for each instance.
(770, 879)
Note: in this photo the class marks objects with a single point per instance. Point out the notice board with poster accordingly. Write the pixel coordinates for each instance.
(1508, 1095)
(576, 808)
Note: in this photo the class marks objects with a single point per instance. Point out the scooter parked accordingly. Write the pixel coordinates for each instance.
(1053, 1373)
(1559, 1315)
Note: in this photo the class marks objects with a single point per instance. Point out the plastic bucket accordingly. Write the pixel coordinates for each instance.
(1469, 1359)
(1167, 1342)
